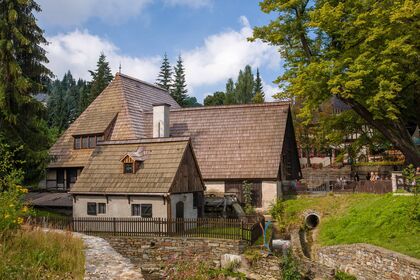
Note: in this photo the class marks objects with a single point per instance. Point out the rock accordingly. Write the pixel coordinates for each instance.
(227, 259)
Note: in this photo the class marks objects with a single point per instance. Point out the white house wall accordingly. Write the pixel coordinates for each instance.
(119, 206)
(187, 198)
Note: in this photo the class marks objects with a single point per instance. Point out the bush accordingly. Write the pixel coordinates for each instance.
(247, 190)
(290, 269)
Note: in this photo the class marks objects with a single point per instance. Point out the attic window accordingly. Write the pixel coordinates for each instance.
(87, 141)
(128, 168)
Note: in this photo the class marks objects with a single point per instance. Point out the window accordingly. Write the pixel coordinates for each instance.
(92, 141)
(128, 168)
(91, 208)
(135, 210)
(146, 210)
(101, 208)
(85, 140)
(143, 210)
(77, 143)
(99, 138)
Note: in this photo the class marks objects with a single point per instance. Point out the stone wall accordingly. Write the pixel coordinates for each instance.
(160, 249)
(369, 262)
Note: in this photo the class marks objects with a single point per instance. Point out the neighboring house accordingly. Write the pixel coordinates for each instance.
(149, 178)
(254, 142)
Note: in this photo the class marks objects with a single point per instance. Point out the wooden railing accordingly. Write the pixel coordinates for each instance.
(202, 227)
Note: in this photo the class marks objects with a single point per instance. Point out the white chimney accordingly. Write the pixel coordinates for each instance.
(161, 120)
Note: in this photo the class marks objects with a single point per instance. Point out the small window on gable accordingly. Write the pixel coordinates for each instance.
(128, 168)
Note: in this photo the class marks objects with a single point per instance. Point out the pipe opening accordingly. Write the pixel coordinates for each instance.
(312, 221)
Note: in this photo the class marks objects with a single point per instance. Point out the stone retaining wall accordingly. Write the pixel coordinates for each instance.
(369, 262)
(160, 249)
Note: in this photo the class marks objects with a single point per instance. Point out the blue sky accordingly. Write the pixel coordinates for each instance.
(209, 34)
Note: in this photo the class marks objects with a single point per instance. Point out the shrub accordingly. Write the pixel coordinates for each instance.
(247, 190)
(290, 269)
(340, 275)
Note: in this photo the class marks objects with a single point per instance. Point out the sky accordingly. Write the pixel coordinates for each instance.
(210, 35)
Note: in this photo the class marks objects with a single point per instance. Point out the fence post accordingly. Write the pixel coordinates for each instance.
(242, 230)
(115, 225)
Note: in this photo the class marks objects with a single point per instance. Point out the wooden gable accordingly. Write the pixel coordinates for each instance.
(188, 177)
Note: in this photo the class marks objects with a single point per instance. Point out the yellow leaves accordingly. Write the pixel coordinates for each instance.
(12, 16)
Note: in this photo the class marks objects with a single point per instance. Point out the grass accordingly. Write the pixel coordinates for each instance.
(45, 213)
(384, 220)
(34, 254)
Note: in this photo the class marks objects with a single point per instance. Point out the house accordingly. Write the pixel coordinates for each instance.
(231, 144)
(148, 178)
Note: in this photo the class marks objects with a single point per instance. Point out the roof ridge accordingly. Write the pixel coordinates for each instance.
(141, 81)
(232, 106)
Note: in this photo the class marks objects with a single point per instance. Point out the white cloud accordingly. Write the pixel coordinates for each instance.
(78, 51)
(76, 12)
(224, 54)
(269, 91)
(191, 3)
(220, 57)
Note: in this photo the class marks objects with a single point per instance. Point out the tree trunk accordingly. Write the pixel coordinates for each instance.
(394, 131)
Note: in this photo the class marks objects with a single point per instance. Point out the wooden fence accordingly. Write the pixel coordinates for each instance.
(201, 227)
(378, 187)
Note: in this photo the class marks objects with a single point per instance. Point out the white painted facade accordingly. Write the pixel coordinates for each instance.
(187, 198)
(119, 206)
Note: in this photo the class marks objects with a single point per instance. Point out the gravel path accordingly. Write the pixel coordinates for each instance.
(103, 262)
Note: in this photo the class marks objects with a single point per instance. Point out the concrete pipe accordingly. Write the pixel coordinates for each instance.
(312, 220)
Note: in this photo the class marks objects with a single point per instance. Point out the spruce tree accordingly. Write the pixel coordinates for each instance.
(101, 77)
(22, 74)
(165, 75)
(179, 87)
(245, 86)
(258, 86)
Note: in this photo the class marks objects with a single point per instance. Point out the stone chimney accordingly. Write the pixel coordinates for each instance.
(161, 120)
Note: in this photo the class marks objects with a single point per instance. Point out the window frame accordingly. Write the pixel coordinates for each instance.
(143, 206)
(128, 164)
(91, 204)
(83, 142)
(77, 140)
(91, 141)
(138, 210)
(101, 206)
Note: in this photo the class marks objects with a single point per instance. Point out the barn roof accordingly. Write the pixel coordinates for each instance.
(118, 108)
(104, 172)
(232, 142)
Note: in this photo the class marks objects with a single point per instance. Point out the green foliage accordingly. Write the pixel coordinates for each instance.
(11, 204)
(201, 271)
(247, 192)
(244, 86)
(67, 99)
(365, 53)
(40, 255)
(218, 98)
(101, 77)
(258, 98)
(22, 75)
(191, 101)
(164, 79)
(289, 268)
(340, 275)
(258, 86)
(379, 163)
(230, 93)
(179, 86)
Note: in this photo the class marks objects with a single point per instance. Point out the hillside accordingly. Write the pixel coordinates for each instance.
(392, 222)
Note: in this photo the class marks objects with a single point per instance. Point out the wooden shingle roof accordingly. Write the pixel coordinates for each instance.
(233, 142)
(120, 105)
(104, 172)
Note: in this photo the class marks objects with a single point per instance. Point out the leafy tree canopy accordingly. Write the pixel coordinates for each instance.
(365, 53)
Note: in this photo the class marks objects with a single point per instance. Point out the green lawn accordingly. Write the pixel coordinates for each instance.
(383, 220)
(34, 254)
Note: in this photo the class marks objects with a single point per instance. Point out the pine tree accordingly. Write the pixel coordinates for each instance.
(258, 87)
(245, 86)
(165, 75)
(230, 93)
(101, 77)
(22, 74)
(179, 87)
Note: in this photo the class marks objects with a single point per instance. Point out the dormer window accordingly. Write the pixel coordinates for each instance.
(132, 161)
(128, 168)
(86, 141)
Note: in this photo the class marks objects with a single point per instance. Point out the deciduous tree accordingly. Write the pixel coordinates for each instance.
(366, 53)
